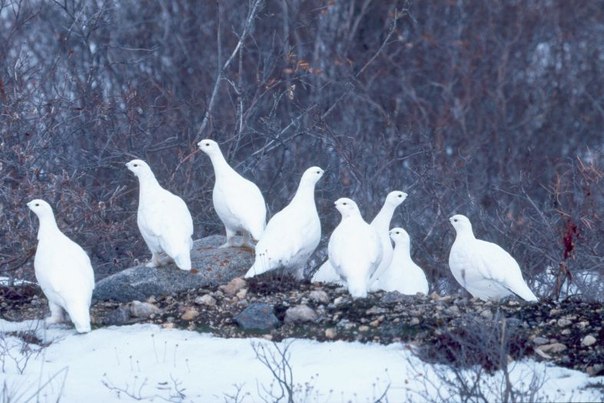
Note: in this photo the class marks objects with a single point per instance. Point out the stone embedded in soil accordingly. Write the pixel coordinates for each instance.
(300, 313)
(118, 316)
(257, 316)
(552, 348)
(319, 296)
(564, 322)
(394, 297)
(588, 340)
(190, 313)
(206, 299)
(143, 309)
(538, 341)
(233, 286)
(331, 333)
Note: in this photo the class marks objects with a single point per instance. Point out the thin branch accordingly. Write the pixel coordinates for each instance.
(246, 29)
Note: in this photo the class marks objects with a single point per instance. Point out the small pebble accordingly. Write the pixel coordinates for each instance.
(588, 340)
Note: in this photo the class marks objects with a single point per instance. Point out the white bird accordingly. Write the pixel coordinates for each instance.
(293, 234)
(237, 201)
(63, 271)
(163, 219)
(403, 275)
(484, 268)
(381, 223)
(354, 248)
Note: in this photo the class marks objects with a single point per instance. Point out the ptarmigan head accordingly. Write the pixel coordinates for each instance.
(139, 168)
(461, 223)
(312, 175)
(40, 207)
(395, 198)
(347, 207)
(400, 237)
(209, 147)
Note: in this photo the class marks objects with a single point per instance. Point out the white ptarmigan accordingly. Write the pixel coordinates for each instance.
(483, 268)
(293, 234)
(163, 220)
(63, 271)
(403, 275)
(354, 248)
(381, 223)
(237, 201)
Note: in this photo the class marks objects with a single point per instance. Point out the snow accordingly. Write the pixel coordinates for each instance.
(151, 363)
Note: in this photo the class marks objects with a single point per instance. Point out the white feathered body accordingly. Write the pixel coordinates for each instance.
(327, 274)
(239, 204)
(64, 272)
(486, 270)
(403, 275)
(355, 252)
(237, 200)
(166, 225)
(381, 223)
(293, 234)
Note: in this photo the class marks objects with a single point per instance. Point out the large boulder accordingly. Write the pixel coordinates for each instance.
(214, 266)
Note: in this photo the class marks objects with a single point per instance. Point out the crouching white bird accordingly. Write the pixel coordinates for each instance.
(354, 248)
(237, 201)
(293, 234)
(484, 268)
(403, 275)
(381, 223)
(163, 220)
(63, 271)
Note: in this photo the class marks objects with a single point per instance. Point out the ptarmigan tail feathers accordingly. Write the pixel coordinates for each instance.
(524, 292)
(357, 287)
(79, 313)
(183, 260)
(257, 268)
(179, 249)
(257, 230)
(326, 274)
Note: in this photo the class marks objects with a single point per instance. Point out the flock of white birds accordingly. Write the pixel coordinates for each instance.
(361, 256)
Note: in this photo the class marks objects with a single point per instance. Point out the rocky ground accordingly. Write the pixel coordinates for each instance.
(451, 329)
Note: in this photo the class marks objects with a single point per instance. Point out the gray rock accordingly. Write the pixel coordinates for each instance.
(300, 313)
(394, 297)
(143, 309)
(234, 286)
(319, 296)
(552, 348)
(205, 300)
(539, 341)
(257, 316)
(215, 266)
(118, 316)
(189, 314)
(588, 340)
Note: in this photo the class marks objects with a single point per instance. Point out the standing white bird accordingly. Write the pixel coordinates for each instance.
(63, 271)
(403, 275)
(484, 268)
(381, 223)
(354, 248)
(163, 219)
(293, 234)
(237, 201)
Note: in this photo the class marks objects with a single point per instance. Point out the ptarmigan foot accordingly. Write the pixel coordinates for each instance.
(56, 314)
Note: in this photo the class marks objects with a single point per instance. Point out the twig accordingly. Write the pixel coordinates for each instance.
(246, 29)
